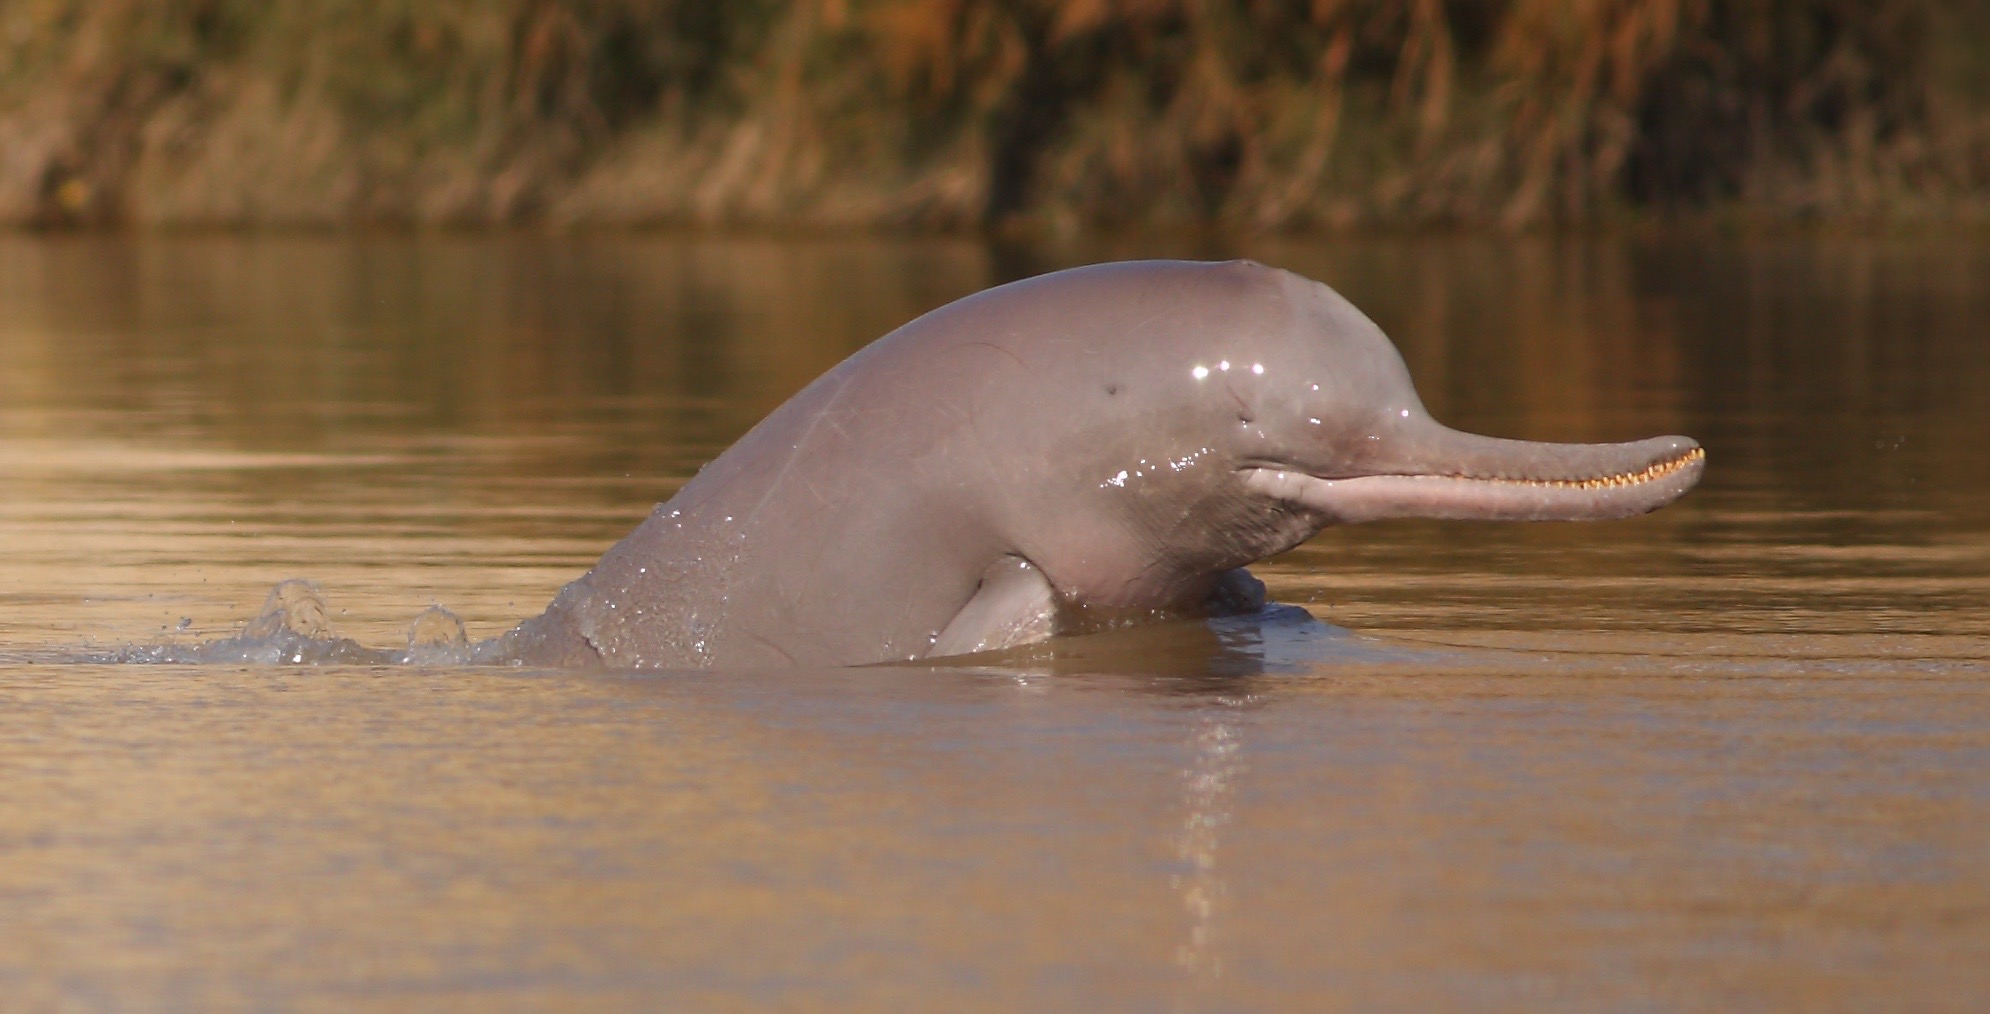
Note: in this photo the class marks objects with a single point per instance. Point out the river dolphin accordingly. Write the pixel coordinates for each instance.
(1058, 453)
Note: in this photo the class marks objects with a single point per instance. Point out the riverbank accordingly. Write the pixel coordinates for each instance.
(1034, 116)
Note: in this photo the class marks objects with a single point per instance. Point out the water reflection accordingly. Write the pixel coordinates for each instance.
(1206, 791)
(1728, 755)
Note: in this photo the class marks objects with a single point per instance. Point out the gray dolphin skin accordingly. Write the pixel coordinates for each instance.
(1064, 452)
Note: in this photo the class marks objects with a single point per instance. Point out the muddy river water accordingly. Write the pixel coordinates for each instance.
(1735, 754)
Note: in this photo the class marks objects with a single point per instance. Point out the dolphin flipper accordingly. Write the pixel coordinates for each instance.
(1014, 605)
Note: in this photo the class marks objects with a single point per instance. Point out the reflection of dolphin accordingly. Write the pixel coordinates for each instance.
(1063, 452)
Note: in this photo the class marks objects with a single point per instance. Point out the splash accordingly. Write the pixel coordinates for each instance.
(294, 627)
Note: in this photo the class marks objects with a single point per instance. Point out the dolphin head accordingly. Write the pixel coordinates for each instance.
(1274, 409)
(1336, 430)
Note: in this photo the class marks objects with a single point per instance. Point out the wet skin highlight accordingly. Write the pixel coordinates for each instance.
(1119, 439)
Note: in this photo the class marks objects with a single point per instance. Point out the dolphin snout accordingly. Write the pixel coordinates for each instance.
(1464, 476)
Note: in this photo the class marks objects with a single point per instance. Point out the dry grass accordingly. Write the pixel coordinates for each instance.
(1054, 114)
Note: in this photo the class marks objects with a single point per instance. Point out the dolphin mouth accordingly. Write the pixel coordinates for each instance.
(1650, 473)
(1643, 477)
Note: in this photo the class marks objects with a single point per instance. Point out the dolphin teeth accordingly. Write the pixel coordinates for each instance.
(1650, 473)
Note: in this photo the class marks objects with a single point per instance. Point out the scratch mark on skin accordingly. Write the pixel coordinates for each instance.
(827, 415)
(820, 497)
(792, 599)
(981, 451)
(1244, 413)
(783, 652)
(997, 348)
(780, 476)
(1158, 559)
(970, 411)
(1165, 308)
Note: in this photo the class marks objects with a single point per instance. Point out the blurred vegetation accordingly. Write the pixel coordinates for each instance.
(1030, 114)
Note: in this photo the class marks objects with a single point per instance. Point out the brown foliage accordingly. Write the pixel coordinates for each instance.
(1250, 113)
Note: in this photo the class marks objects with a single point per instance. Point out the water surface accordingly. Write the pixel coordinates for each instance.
(1730, 754)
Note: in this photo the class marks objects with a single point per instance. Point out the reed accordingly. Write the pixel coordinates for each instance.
(1032, 114)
